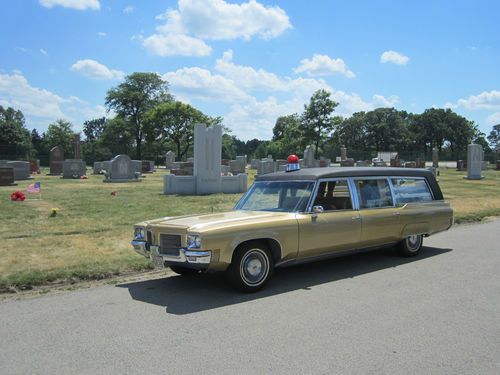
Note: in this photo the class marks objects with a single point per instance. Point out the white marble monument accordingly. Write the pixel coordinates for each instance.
(475, 157)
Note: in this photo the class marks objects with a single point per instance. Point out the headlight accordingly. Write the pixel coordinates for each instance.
(139, 233)
(193, 241)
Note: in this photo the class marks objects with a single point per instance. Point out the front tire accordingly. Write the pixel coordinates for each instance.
(251, 268)
(411, 245)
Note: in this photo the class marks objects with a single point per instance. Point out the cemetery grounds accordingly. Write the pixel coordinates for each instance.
(89, 237)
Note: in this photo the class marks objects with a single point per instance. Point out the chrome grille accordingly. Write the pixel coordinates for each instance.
(170, 244)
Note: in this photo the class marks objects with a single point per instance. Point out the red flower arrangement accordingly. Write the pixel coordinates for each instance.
(17, 196)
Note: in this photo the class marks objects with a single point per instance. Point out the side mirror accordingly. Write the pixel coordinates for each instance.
(318, 209)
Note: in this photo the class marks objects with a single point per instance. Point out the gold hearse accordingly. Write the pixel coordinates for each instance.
(299, 216)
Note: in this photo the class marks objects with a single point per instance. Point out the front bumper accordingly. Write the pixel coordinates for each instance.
(189, 258)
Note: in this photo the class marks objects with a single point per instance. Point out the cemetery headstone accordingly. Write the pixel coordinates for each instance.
(146, 166)
(474, 161)
(206, 177)
(309, 161)
(121, 169)
(56, 158)
(34, 166)
(343, 153)
(77, 144)
(21, 169)
(254, 163)
(435, 157)
(169, 159)
(348, 162)
(98, 167)
(74, 168)
(6, 176)
(461, 165)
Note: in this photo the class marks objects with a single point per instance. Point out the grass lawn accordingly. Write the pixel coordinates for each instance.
(90, 235)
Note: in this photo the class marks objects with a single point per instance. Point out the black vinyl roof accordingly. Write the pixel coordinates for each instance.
(332, 172)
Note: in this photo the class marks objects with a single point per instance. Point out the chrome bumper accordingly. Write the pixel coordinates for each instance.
(199, 259)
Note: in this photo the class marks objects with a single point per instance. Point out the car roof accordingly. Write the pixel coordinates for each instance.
(331, 172)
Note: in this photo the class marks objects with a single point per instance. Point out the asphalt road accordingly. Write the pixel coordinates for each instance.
(371, 313)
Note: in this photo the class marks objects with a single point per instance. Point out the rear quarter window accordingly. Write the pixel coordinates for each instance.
(408, 190)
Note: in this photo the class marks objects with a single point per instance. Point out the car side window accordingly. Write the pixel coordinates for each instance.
(409, 190)
(333, 195)
(374, 193)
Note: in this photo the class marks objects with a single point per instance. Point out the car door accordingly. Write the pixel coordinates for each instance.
(337, 228)
(380, 218)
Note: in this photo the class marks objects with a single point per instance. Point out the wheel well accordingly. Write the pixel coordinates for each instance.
(273, 245)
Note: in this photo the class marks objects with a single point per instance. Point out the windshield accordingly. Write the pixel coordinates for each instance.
(283, 196)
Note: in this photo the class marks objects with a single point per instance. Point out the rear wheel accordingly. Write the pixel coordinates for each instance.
(183, 270)
(411, 245)
(251, 267)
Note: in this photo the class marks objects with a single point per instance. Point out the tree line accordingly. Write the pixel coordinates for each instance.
(145, 121)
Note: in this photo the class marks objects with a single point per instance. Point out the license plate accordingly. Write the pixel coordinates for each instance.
(157, 261)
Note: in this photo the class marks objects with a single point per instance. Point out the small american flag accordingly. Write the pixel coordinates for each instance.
(34, 188)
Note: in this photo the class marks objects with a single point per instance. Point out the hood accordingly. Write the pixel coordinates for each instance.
(213, 221)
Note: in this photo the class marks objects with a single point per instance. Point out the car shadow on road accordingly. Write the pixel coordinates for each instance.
(190, 294)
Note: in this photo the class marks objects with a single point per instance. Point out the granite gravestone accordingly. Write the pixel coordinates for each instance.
(21, 169)
(34, 166)
(98, 167)
(146, 166)
(169, 159)
(309, 161)
(206, 177)
(6, 176)
(474, 161)
(120, 169)
(435, 157)
(56, 158)
(343, 153)
(74, 168)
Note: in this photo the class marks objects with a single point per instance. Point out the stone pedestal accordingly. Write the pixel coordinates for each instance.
(474, 162)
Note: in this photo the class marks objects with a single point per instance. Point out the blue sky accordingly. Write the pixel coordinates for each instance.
(252, 61)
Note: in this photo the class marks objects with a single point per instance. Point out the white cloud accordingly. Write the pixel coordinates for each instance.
(174, 45)
(485, 100)
(200, 83)
(43, 52)
(73, 4)
(323, 65)
(493, 119)
(102, 34)
(198, 20)
(129, 9)
(93, 69)
(394, 57)
(40, 106)
(250, 117)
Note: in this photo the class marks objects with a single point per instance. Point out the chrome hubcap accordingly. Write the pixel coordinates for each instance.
(254, 267)
(413, 242)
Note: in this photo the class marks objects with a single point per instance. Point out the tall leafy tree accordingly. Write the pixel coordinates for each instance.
(37, 142)
(60, 133)
(174, 122)
(132, 99)
(93, 130)
(494, 137)
(15, 139)
(318, 120)
(386, 129)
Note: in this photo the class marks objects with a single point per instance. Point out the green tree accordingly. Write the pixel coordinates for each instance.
(37, 142)
(317, 119)
(116, 138)
(93, 130)
(132, 99)
(288, 136)
(494, 137)
(174, 122)
(59, 133)
(15, 139)
(386, 130)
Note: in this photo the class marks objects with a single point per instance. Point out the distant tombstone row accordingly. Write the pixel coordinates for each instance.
(20, 169)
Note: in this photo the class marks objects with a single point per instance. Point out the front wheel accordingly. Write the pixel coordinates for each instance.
(411, 245)
(251, 267)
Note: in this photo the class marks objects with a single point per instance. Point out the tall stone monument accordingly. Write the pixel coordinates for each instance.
(309, 161)
(76, 167)
(56, 158)
(206, 177)
(435, 157)
(475, 157)
(169, 159)
(343, 153)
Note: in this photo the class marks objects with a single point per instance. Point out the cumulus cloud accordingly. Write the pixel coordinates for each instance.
(40, 106)
(256, 97)
(175, 45)
(73, 4)
(199, 20)
(102, 34)
(129, 9)
(93, 69)
(493, 119)
(394, 57)
(485, 100)
(323, 65)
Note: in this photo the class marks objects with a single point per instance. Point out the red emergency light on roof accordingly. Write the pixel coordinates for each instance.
(293, 163)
